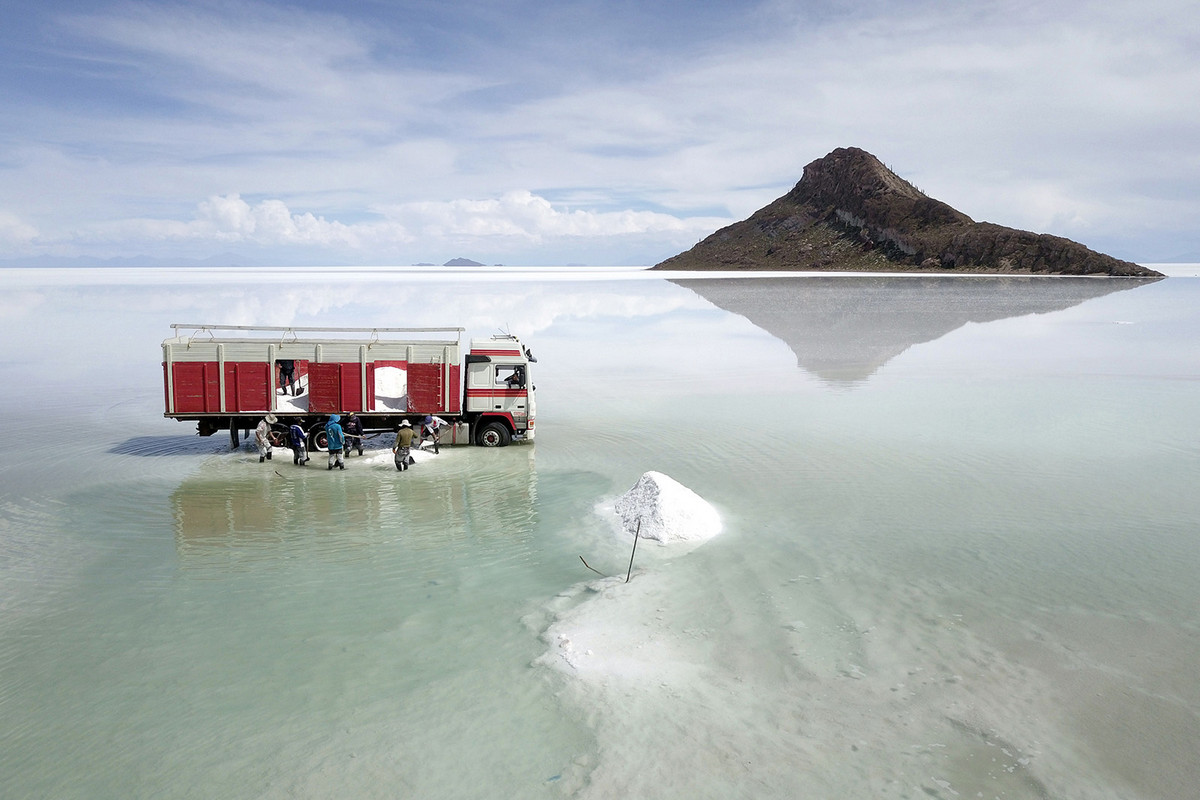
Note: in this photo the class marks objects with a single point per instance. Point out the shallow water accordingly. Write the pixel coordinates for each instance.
(959, 559)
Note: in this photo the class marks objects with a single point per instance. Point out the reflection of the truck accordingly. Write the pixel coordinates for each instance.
(230, 514)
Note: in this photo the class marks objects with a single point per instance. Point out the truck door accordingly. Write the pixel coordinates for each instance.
(480, 371)
(510, 392)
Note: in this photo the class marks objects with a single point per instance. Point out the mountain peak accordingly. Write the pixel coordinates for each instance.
(857, 182)
(850, 212)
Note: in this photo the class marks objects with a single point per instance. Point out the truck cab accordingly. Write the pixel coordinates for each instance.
(499, 391)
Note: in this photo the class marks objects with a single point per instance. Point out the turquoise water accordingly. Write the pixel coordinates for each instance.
(960, 554)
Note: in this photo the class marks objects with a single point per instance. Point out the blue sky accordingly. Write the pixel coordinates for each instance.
(577, 132)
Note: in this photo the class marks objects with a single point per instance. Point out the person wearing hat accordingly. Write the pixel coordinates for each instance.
(432, 429)
(299, 443)
(403, 447)
(354, 433)
(336, 440)
(262, 437)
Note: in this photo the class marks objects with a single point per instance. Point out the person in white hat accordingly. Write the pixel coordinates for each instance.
(262, 437)
(403, 446)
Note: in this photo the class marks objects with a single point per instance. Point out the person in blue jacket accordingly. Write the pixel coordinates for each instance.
(299, 445)
(336, 441)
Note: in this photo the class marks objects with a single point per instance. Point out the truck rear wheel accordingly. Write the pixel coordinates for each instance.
(493, 434)
(318, 440)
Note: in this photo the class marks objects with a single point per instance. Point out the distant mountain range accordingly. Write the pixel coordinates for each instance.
(851, 213)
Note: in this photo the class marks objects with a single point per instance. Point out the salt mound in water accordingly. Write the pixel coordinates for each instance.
(668, 510)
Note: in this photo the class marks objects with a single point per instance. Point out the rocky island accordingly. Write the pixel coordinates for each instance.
(849, 212)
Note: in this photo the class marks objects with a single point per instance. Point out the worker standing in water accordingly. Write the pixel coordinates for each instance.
(432, 429)
(262, 437)
(335, 440)
(403, 447)
(354, 433)
(299, 445)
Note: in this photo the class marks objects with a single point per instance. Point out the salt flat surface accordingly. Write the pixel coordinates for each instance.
(970, 572)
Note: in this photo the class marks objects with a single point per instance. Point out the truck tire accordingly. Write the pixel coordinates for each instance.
(493, 434)
(317, 440)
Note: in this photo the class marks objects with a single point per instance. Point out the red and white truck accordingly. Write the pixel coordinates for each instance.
(228, 377)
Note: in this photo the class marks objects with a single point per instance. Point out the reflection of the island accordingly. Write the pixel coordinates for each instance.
(844, 328)
(242, 514)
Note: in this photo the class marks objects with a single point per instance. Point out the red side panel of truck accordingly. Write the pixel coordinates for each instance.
(248, 386)
(197, 387)
(352, 399)
(370, 399)
(424, 387)
(454, 380)
(334, 388)
(433, 388)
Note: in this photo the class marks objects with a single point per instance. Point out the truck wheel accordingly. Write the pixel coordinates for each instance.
(317, 440)
(277, 439)
(494, 434)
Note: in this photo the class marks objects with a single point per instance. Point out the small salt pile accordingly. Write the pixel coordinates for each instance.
(668, 511)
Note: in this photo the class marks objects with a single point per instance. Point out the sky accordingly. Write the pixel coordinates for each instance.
(598, 132)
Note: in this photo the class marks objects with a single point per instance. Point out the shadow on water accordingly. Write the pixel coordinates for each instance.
(155, 446)
(843, 329)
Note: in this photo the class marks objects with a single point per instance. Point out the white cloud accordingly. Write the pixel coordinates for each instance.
(1076, 118)
(230, 220)
(525, 215)
(14, 232)
(508, 223)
